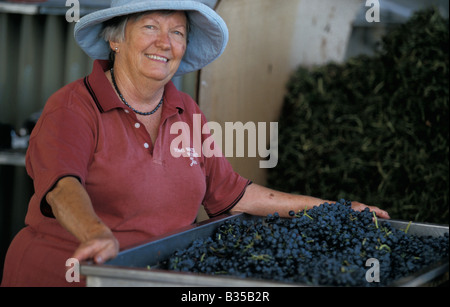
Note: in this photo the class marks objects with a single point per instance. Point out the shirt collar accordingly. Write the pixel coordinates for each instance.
(107, 99)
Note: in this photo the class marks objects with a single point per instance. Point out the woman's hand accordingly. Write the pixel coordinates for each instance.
(72, 208)
(99, 248)
(357, 206)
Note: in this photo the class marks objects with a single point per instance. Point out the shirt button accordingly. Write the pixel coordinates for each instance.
(126, 111)
(146, 145)
(137, 125)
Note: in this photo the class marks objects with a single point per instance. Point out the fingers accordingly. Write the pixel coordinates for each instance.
(379, 212)
(99, 250)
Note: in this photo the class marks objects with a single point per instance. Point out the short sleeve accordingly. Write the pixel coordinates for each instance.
(61, 144)
(225, 187)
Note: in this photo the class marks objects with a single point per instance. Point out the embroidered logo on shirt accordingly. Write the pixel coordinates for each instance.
(188, 152)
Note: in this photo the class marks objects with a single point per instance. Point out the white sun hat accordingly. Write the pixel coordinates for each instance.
(208, 34)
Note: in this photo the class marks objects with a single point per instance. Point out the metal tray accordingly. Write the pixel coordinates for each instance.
(130, 267)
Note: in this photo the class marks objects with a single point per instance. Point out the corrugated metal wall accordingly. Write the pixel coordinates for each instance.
(37, 56)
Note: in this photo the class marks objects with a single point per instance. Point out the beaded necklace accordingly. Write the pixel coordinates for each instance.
(126, 103)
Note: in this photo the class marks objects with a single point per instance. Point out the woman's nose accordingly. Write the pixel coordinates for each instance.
(163, 40)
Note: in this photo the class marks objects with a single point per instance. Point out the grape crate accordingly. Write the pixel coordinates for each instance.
(327, 245)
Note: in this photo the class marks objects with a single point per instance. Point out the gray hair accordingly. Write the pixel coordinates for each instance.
(114, 29)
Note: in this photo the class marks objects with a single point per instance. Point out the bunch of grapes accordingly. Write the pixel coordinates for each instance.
(326, 245)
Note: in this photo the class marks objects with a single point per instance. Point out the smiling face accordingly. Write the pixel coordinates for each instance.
(154, 45)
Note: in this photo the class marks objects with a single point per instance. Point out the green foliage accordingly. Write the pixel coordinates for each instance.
(374, 129)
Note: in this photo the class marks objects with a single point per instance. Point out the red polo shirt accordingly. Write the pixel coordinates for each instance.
(137, 188)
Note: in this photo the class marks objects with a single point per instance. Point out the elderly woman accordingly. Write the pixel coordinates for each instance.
(104, 174)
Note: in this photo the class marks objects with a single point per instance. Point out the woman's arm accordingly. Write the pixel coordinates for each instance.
(72, 208)
(259, 200)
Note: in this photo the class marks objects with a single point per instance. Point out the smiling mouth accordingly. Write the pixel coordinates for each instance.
(157, 58)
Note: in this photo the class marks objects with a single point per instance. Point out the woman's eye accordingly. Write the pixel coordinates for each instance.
(151, 27)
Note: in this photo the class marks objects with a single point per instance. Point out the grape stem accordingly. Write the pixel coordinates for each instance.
(407, 227)
(375, 219)
(306, 214)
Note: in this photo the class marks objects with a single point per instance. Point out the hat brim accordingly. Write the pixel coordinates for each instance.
(208, 34)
